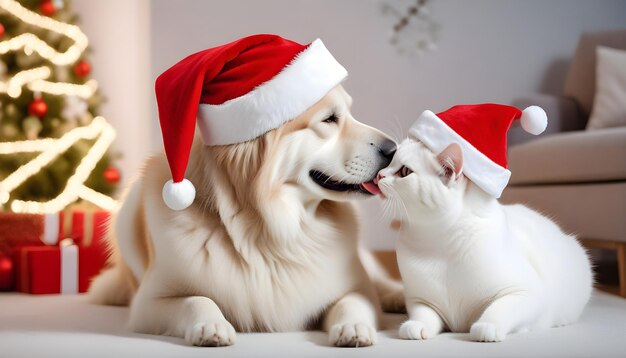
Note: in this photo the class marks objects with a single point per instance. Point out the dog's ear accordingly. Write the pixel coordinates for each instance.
(451, 160)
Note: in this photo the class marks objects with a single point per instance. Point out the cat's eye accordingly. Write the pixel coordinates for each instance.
(404, 171)
(331, 119)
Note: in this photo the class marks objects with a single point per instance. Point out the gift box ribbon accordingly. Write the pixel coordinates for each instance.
(69, 267)
(51, 229)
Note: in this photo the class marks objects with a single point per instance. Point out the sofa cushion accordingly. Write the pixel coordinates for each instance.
(609, 105)
(571, 157)
(581, 77)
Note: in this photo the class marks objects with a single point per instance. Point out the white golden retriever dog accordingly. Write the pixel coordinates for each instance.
(270, 243)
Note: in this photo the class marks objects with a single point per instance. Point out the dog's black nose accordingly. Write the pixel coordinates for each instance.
(387, 149)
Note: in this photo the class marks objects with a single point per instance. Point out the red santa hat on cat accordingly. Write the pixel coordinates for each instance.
(480, 130)
(235, 93)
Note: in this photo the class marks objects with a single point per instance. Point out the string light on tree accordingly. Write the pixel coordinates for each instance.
(50, 149)
(84, 91)
(31, 42)
(47, 53)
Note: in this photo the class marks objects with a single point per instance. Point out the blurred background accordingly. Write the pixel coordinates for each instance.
(467, 52)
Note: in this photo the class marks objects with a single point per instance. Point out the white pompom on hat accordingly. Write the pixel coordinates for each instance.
(178, 196)
(534, 120)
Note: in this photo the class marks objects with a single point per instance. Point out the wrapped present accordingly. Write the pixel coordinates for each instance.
(18, 230)
(84, 227)
(87, 227)
(30, 229)
(67, 268)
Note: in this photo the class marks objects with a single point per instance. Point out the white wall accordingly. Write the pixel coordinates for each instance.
(119, 36)
(489, 50)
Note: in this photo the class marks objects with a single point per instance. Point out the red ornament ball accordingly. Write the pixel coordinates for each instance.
(6, 273)
(1, 30)
(112, 175)
(38, 108)
(82, 68)
(46, 7)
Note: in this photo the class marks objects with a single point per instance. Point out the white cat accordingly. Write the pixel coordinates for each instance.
(472, 264)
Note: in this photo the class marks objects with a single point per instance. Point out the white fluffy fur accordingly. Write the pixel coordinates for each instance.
(262, 248)
(470, 264)
(297, 87)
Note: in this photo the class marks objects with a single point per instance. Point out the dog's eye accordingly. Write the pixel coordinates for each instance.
(331, 119)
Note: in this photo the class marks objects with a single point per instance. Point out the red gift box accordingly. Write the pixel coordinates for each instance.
(19, 230)
(88, 227)
(67, 268)
(84, 227)
(29, 229)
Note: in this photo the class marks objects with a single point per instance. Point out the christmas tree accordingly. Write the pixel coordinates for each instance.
(53, 144)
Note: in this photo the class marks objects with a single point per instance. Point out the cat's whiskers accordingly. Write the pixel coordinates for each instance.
(397, 131)
(398, 205)
(389, 206)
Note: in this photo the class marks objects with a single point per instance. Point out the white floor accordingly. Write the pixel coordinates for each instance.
(67, 326)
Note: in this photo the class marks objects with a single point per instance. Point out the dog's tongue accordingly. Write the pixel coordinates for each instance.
(371, 187)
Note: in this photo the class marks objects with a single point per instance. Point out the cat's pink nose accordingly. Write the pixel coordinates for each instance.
(379, 176)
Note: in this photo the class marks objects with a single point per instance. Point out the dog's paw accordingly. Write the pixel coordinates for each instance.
(210, 334)
(352, 335)
(415, 330)
(393, 302)
(486, 332)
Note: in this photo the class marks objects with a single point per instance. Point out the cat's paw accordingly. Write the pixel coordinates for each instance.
(416, 330)
(210, 334)
(352, 335)
(486, 332)
(393, 302)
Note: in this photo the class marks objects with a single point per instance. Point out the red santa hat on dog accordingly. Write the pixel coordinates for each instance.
(480, 130)
(237, 92)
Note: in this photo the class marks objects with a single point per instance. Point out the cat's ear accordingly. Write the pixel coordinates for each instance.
(451, 159)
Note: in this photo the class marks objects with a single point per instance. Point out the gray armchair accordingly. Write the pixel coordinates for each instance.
(576, 176)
